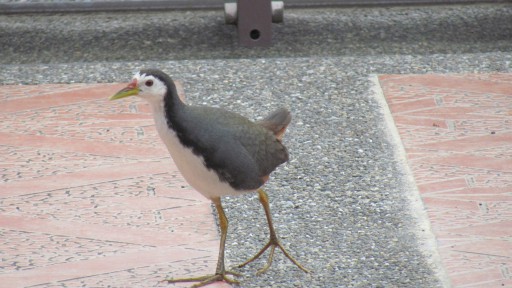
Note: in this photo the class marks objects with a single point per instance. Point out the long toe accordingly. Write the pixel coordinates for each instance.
(207, 279)
(273, 244)
(292, 259)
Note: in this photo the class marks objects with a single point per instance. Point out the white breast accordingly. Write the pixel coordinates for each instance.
(190, 165)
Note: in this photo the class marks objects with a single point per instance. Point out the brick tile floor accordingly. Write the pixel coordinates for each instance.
(89, 197)
(457, 133)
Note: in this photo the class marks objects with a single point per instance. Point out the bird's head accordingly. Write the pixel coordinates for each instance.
(149, 84)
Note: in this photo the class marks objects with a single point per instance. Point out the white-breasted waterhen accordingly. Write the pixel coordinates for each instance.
(218, 152)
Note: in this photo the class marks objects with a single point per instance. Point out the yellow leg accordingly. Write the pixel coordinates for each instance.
(220, 272)
(273, 242)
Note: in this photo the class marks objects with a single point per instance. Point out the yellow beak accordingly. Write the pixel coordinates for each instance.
(130, 90)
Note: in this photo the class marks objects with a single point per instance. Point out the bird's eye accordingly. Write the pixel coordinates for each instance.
(149, 83)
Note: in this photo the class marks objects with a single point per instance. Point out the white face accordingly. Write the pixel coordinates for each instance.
(150, 87)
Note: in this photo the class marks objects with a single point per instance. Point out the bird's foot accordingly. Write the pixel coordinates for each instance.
(272, 244)
(208, 279)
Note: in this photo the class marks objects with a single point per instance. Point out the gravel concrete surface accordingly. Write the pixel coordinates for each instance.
(342, 204)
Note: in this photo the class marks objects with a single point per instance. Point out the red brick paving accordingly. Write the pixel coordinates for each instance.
(457, 133)
(89, 197)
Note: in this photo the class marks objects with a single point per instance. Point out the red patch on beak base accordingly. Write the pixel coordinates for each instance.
(132, 84)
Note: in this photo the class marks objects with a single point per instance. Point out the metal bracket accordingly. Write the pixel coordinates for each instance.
(254, 20)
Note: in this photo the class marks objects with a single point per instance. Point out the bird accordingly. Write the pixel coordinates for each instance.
(219, 153)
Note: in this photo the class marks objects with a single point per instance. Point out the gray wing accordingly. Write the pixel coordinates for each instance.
(242, 152)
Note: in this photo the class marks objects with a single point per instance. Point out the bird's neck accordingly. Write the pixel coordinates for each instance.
(172, 107)
(164, 125)
(166, 111)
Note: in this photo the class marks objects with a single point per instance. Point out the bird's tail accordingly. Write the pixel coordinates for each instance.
(277, 121)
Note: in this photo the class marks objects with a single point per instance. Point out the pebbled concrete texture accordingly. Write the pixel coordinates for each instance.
(339, 205)
(183, 35)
